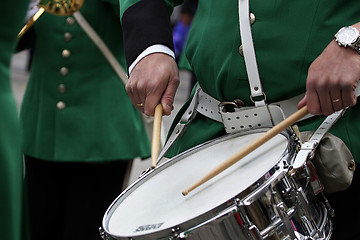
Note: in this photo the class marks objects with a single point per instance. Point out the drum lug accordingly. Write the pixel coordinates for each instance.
(285, 219)
(328, 206)
(103, 234)
(303, 208)
(255, 231)
(176, 231)
(249, 229)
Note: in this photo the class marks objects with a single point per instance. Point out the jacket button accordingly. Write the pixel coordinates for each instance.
(66, 53)
(62, 88)
(241, 50)
(67, 36)
(60, 105)
(252, 18)
(70, 21)
(64, 71)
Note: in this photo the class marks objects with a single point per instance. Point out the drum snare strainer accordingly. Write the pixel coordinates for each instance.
(259, 197)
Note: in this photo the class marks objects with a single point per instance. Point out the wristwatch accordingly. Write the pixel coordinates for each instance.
(348, 37)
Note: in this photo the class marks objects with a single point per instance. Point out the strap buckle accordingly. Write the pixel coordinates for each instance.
(230, 106)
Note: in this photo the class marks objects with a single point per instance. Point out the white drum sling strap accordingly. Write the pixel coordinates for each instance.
(249, 53)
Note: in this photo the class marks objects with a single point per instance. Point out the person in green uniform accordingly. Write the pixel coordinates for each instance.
(11, 172)
(295, 52)
(80, 129)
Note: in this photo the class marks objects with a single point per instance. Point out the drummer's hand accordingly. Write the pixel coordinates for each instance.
(332, 79)
(153, 80)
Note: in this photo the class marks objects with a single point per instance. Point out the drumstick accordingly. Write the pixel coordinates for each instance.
(251, 147)
(155, 143)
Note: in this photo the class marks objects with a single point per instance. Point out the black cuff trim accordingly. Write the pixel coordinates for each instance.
(144, 24)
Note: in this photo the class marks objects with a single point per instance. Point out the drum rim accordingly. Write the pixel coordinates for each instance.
(163, 234)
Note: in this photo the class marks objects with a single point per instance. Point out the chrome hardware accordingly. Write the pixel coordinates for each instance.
(103, 234)
(264, 99)
(230, 106)
(226, 106)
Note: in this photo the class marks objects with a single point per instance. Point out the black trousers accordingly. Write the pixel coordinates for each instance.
(67, 201)
(347, 210)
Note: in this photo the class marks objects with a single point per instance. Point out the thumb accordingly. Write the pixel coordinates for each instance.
(168, 97)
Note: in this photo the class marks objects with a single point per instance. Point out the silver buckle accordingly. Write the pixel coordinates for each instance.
(224, 106)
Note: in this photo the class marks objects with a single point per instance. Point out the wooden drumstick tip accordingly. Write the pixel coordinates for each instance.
(184, 193)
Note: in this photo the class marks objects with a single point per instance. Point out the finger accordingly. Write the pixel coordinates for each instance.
(313, 103)
(140, 96)
(348, 96)
(337, 104)
(325, 100)
(152, 98)
(135, 97)
(336, 99)
(302, 102)
(129, 91)
(168, 97)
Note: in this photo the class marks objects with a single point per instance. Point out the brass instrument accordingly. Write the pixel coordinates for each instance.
(56, 7)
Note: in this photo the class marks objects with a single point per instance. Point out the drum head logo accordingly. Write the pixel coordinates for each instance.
(148, 227)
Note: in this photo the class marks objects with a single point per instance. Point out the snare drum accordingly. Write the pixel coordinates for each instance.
(259, 197)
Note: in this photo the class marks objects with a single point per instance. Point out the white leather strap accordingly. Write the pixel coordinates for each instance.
(307, 149)
(252, 118)
(186, 118)
(209, 106)
(249, 52)
(101, 45)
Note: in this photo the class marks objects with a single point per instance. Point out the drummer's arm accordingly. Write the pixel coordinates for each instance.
(150, 56)
(332, 79)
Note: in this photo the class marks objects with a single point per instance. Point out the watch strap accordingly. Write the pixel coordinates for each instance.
(356, 45)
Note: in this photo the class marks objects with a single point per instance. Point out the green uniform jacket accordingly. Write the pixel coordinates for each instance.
(11, 18)
(75, 107)
(288, 36)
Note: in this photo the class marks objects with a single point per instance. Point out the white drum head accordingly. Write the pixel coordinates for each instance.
(155, 203)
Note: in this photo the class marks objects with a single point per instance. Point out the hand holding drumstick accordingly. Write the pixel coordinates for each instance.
(251, 147)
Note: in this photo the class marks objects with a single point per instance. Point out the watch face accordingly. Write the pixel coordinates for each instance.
(347, 35)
